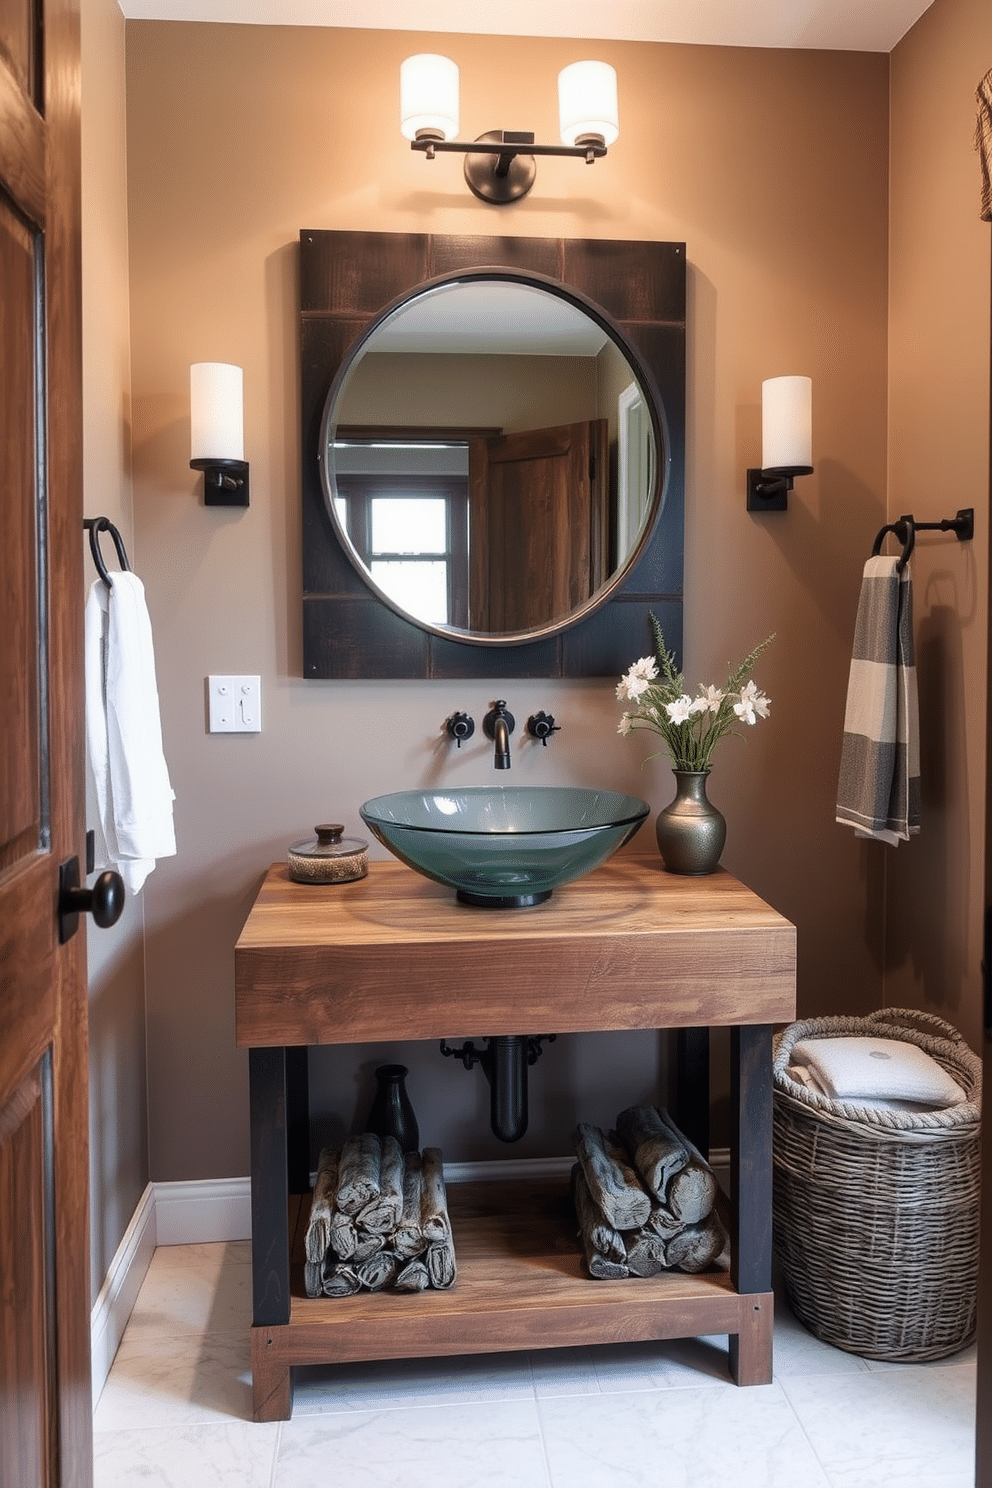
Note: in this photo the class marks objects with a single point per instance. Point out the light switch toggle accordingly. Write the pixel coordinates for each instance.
(235, 705)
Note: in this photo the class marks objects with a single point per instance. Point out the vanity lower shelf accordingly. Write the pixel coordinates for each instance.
(521, 1285)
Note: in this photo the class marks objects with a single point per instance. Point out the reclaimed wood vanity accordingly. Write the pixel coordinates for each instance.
(395, 957)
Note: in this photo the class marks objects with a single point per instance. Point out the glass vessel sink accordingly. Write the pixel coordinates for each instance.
(504, 847)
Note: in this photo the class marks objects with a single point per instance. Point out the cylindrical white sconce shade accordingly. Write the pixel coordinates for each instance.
(786, 423)
(587, 102)
(216, 411)
(429, 96)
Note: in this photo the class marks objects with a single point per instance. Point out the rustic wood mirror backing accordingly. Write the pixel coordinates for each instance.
(637, 291)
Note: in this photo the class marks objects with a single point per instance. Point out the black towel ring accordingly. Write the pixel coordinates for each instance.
(94, 526)
(905, 531)
(906, 528)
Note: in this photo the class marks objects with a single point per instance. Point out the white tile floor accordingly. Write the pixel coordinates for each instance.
(176, 1410)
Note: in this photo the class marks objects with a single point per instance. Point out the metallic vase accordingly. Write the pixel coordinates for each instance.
(691, 831)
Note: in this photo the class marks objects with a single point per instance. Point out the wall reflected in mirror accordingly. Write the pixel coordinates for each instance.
(489, 457)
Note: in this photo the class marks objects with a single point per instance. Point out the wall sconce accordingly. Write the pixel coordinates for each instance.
(217, 437)
(499, 165)
(786, 442)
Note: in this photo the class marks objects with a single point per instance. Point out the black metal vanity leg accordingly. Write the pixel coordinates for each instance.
(269, 1187)
(751, 1157)
(692, 1086)
(298, 1118)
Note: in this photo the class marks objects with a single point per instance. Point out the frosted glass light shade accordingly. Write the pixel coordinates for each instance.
(786, 423)
(428, 96)
(216, 411)
(587, 102)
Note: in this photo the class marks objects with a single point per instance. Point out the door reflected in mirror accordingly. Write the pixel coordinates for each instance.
(490, 459)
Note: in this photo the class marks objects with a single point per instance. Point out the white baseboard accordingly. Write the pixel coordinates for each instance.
(197, 1213)
(121, 1285)
(219, 1209)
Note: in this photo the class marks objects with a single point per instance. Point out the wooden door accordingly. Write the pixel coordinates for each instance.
(538, 530)
(45, 1405)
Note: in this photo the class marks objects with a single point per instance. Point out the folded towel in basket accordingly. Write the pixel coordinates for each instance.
(878, 792)
(863, 1070)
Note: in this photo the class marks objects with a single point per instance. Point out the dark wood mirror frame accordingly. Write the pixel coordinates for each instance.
(347, 280)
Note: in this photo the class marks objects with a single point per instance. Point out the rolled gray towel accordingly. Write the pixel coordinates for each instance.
(646, 1254)
(383, 1214)
(378, 1271)
(441, 1267)
(657, 1153)
(597, 1236)
(343, 1235)
(434, 1220)
(358, 1173)
(318, 1236)
(414, 1277)
(340, 1281)
(613, 1189)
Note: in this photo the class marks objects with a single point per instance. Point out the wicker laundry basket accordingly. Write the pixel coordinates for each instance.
(876, 1212)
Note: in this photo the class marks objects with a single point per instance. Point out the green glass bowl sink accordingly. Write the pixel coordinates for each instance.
(504, 847)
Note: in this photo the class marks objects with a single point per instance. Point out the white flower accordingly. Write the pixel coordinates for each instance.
(626, 724)
(699, 705)
(752, 705)
(710, 698)
(635, 682)
(681, 710)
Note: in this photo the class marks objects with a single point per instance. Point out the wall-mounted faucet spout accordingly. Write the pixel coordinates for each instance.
(498, 726)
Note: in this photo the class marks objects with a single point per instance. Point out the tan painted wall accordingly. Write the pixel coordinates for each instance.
(772, 167)
(118, 1105)
(508, 392)
(939, 461)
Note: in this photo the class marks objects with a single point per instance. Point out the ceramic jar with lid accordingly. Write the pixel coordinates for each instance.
(329, 857)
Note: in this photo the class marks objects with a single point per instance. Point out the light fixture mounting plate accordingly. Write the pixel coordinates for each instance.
(502, 178)
(225, 482)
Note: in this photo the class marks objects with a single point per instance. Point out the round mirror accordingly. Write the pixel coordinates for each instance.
(491, 458)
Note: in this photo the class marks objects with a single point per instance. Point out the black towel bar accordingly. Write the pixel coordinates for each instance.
(906, 528)
(94, 526)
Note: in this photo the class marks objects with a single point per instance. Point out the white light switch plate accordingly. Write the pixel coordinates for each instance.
(235, 705)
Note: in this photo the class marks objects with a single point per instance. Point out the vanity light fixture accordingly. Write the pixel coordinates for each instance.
(217, 437)
(499, 165)
(786, 442)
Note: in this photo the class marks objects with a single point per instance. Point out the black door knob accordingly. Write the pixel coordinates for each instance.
(104, 901)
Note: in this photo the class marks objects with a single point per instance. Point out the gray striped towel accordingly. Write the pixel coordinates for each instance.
(983, 142)
(878, 793)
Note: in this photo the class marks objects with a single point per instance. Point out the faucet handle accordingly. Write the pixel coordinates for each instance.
(541, 725)
(459, 726)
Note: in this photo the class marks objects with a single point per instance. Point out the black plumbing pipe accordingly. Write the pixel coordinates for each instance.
(504, 1062)
(506, 1067)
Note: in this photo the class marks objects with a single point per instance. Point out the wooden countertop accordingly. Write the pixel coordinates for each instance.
(394, 956)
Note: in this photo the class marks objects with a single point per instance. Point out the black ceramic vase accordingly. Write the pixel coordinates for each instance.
(691, 831)
(391, 1114)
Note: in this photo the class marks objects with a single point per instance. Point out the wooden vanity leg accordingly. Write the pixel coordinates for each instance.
(751, 1200)
(269, 1226)
(751, 1348)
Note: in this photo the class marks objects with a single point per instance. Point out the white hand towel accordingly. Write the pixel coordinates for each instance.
(131, 792)
(878, 792)
(874, 1069)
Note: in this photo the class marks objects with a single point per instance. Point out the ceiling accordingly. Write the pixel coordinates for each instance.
(499, 318)
(837, 25)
